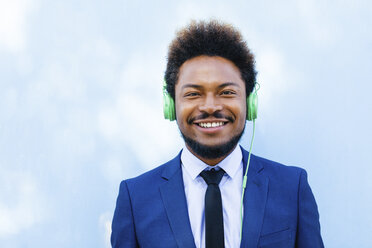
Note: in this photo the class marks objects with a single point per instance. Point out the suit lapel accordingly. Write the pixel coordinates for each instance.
(255, 197)
(174, 199)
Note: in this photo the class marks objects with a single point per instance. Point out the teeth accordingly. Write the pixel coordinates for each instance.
(211, 124)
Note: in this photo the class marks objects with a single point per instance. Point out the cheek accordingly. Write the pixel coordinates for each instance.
(240, 111)
(183, 112)
(244, 109)
(179, 113)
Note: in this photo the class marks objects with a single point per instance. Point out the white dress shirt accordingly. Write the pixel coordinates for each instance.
(231, 191)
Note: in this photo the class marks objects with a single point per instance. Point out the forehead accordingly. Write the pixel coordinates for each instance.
(208, 71)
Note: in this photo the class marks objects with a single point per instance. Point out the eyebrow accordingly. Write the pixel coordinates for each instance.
(228, 84)
(197, 86)
(192, 86)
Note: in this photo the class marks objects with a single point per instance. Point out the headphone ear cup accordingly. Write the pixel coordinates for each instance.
(252, 103)
(168, 106)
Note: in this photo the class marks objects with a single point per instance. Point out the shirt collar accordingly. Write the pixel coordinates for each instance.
(194, 165)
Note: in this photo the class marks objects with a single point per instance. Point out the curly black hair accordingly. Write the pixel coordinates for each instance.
(211, 38)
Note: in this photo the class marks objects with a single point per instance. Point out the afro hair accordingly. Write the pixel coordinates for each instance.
(211, 38)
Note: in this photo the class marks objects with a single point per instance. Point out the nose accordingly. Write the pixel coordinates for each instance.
(210, 104)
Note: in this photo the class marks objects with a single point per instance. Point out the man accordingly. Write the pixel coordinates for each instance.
(195, 200)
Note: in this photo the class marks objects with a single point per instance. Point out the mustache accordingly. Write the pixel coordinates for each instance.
(205, 115)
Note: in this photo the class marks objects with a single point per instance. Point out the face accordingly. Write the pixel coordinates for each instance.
(210, 104)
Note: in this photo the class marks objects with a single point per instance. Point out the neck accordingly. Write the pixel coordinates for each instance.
(210, 161)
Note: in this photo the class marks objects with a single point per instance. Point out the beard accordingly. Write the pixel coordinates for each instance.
(212, 152)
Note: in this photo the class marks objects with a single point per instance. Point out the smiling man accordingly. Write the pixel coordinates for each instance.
(214, 194)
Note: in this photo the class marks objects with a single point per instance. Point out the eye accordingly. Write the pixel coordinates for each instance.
(228, 92)
(192, 94)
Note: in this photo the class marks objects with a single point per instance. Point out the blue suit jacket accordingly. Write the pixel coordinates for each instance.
(279, 208)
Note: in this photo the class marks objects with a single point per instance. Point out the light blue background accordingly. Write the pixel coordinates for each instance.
(80, 99)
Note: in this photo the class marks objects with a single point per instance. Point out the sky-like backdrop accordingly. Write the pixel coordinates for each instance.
(81, 100)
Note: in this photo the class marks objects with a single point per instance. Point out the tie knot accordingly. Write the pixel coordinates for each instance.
(212, 176)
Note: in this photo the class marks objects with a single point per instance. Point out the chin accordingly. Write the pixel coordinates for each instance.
(212, 151)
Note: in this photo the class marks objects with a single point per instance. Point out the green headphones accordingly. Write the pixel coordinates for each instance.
(170, 109)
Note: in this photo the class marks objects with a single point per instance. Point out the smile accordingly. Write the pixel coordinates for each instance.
(211, 124)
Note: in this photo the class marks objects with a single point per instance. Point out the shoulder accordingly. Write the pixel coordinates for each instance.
(278, 173)
(155, 176)
(276, 168)
(268, 167)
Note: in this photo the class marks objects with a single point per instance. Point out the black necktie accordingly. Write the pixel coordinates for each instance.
(214, 237)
